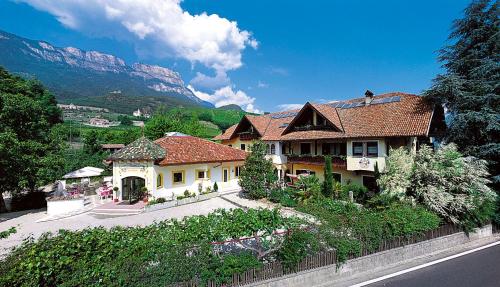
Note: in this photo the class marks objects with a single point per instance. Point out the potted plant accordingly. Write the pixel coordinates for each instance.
(216, 188)
(117, 193)
(145, 194)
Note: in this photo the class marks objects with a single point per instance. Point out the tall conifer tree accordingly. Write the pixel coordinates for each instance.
(469, 89)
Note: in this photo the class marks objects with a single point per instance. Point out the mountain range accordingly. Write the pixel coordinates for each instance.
(94, 78)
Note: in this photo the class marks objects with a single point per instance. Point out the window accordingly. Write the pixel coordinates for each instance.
(305, 148)
(325, 148)
(334, 148)
(273, 149)
(237, 170)
(159, 180)
(242, 146)
(202, 174)
(178, 176)
(357, 148)
(304, 171)
(225, 174)
(372, 149)
(337, 177)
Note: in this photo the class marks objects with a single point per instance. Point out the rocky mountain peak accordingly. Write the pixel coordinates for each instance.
(157, 72)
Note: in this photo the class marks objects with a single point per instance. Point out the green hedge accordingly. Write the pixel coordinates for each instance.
(349, 228)
(155, 255)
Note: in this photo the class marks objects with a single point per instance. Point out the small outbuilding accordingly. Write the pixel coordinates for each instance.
(174, 164)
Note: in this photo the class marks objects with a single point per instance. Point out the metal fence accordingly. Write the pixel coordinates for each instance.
(325, 258)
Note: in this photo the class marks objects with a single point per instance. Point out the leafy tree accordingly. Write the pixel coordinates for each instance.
(174, 121)
(445, 182)
(30, 153)
(257, 175)
(469, 89)
(328, 183)
(309, 187)
(396, 178)
(91, 143)
(125, 120)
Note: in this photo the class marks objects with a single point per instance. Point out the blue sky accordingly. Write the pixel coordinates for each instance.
(276, 53)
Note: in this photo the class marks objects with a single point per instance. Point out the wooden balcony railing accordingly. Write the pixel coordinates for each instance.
(337, 161)
(248, 136)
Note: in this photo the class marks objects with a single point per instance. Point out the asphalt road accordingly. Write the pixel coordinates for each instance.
(481, 269)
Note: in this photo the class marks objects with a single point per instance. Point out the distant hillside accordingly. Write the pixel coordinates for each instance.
(230, 107)
(94, 78)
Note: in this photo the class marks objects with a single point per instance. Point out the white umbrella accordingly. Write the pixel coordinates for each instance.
(85, 172)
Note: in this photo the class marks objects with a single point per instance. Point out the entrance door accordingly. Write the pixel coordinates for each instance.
(225, 175)
(131, 188)
(370, 183)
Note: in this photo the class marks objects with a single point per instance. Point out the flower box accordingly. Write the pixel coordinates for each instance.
(207, 196)
(159, 206)
(187, 200)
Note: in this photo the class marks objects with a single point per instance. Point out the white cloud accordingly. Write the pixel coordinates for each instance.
(261, 84)
(278, 70)
(157, 25)
(286, 107)
(220, 80)
(226, 96)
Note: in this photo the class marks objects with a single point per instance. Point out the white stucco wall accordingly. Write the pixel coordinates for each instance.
(353, 162)
(169, 189)
(142, 169)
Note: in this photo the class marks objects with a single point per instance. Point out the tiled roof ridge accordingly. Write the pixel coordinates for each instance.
(271, 132)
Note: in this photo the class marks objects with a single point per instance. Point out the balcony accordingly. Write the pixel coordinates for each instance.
(337, 161)
(314, 127)
(247, 136)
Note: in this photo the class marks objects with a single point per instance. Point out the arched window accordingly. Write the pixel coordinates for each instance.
(273, 149)
(159, 180)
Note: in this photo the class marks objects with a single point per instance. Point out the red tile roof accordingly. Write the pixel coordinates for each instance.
(190, 150)
(411, 116)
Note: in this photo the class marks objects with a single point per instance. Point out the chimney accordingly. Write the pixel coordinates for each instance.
(368, 97)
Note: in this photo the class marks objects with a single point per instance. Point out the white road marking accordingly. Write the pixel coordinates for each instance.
(424, 265)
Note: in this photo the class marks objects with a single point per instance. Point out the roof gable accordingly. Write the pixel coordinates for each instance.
(326, 119)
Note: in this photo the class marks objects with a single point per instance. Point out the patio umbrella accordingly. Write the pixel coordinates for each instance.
(85, 172)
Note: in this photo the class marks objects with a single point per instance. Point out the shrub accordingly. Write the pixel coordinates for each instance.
(236, 264)
(396, 178)
(257, 176)
(216, 187)
(381, 201)
(283, 196)
(29, 200)
(8, 232)
(360, 192)
(296, 247)
(161, 200)
(348, 228)
(275, 195)
(445, 182)
(309, 187)
(159, 254)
